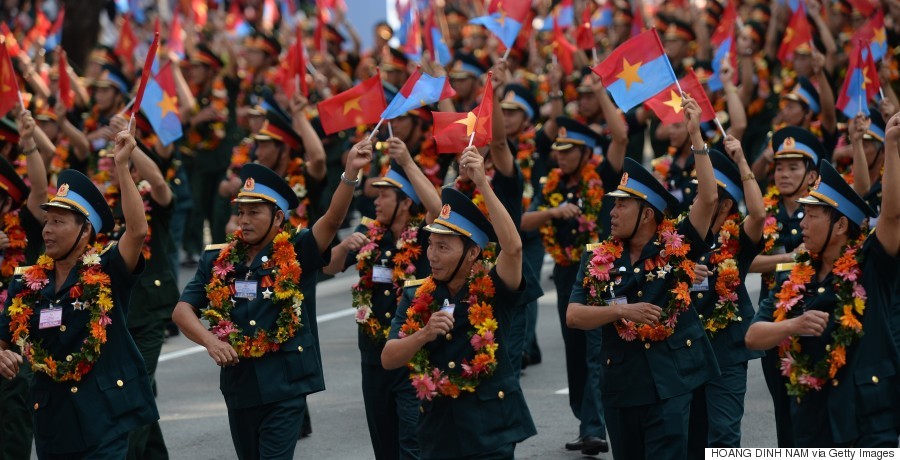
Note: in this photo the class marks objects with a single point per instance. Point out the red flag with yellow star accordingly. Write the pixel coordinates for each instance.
(9, 87)
(453, 130)
(667, 104)
(65, 85)
(360, 105)
(797, 35)
(127, 43)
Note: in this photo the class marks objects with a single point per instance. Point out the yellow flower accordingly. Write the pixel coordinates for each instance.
(859, 305)
(489, 324)
(45, 262)
(556, 199)
(15, 308)
(104, 301)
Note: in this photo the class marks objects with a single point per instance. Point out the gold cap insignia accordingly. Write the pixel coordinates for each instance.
(510, 97)
(563, 132)
(445, 212)
(63, 190)
(789, 143)
(249, 184)
(624, 180)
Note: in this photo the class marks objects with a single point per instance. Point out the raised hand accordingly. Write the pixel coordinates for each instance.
(125, 144)
(358, 158)
(398, 152)
(734, 150)
(471, 163)
(857, 128)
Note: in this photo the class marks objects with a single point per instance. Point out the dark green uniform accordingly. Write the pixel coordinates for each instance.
(266, 396)
(113, 398)
(718, 407)
(647, 386)
(392, 410)
(860, 407)
(488, 422)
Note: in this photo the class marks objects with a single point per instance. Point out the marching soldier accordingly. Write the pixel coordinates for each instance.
(67, 316)
(258, 292)
(450, 330)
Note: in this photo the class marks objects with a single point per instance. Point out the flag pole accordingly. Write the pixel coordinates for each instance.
(375, 130)
(594, 55)
(506, 53)
(721, 129)
(390, 130)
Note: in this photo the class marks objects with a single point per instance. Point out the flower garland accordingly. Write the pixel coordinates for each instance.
(803, 374)
(296, 179)
(408, 252)
(427, 159)
(590, 189)
(660, 167)
(92, 292)
(429, 380)
(288, 296)
(525, 160)
(14, 254)
(728, 278)
(770, 230)
(672, 260)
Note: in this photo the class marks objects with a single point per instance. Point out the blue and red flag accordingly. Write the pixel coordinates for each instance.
(434, 41)
(564, 13)
(412, 45)
(419, 90)
(874, 32)
(853, 99)
(175, 41)
(603, 18)
(505, 19)
(160, 105)
(725, 44)
(636, 71)
(235, 23)
(54, 35)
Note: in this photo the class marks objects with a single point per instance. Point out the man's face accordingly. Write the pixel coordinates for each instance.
(267, 153)
(677, 132)
(256, 58)
(444, 252)
(61, 228)
(570, 160)
(464, 87)
(623, 216)
(197, 74)
(793, 113)
(588, 105)
(513, 121)
(256, 123)
(676, 49)
(403, 128)
(395, 77)
(803, 64)
(105, 97)
(385, 204)
(815, 224)
(790, 173)
(254, 219)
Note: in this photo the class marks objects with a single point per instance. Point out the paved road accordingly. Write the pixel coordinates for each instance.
(195, 424)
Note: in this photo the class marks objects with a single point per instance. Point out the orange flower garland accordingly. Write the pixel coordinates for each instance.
(14, 254)
(287, 296)
(296, 179)
(590, 190)
(803, 374)
(728, 278)
(430, 381)
(770, 231)
(672, 260)
(92, 292)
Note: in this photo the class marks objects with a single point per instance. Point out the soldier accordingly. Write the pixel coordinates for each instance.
(635, 285)
(450, 330)
(388, 251)
(110, 91)
(832, 315)
(721, 299)
(67, 315)
(466, 76)
(258, 292)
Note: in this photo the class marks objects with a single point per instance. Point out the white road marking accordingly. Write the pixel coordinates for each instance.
(564, 391)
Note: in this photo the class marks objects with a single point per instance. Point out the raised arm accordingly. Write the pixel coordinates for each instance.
(855, 131)
(78, 142)
(501, 155)
(889, 221)
(509, 261)
(37, 174)
(756, 211)
(312, 145)
(828, 114)
(705, 204)
(398, 152)
(132, 241)
(617, 127)
(327, 226)
(146, 168)
(736, 111)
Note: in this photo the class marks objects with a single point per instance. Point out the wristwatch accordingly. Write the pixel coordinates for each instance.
(352, 183)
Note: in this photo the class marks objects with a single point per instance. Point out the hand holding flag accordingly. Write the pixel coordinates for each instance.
(454, 131)
(145, 75)
(668, 104)
(360, 105)
(505, 19)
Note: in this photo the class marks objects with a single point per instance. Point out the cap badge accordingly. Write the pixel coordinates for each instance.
(624, 180)
(249, 184)
(789, 143)
(63, 190)
(562, 132)
(445, 212)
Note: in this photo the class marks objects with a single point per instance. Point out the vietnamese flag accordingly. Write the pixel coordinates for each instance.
(9, 87)
(360, 105)
(145, 73)
(201, 12)
(584, 35)
(39, 30)
(798, 33)
(453, 130)
(667, 104)
(564, 49)
(127, 43)
(11, 43)
(175, 41)
(65, 85)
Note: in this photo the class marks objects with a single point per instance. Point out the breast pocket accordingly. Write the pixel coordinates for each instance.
(876, 391)
(497, 401)
(121, 390)
(301, 359)
(687, 352)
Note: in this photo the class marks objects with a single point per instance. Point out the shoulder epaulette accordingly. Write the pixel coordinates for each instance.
(784, 267)
(413, 283)
(108, 247)
(21, 270)
(591, 247)
(366, 221)
(214, 247)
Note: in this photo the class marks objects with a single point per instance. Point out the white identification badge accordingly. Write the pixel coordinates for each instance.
(50, 317)
(617, 301)
(381, 274)
(701, 286)
(245, 289)
(448, 307)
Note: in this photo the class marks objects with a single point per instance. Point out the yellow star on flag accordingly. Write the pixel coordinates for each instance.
(4, 76)
(502, 19)
(629, 73)
(866, 79)
(352, 104)
(674, 102)
(879, 36)
(469, 122)
(788, 35)
(167, 105)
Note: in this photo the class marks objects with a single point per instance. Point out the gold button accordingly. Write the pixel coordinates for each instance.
(574, 232)
(300, 349)
(821, 290)
(637, 269)
(421, 409)
(500, 394)
(36, 405)
(68, 358)
(647, 345)
(449, 336)
(177, 181)
(640, 293)
(794, 231)
(252, 322)
(687, 191)
(120, 383)
(451, 365)
(874, 379)
(74, 390)
(702, 259)
(688, 343)
(608, 361)
(157, 283)
(699, 295)
(387, 253)
(387, 292)
(62, 328)
(834, 382)
(387, 315)
(570, 196)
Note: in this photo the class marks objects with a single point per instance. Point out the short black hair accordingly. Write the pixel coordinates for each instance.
(415, 209)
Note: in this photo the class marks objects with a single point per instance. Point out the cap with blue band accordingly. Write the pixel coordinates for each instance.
(460, 216)
(519, 102)
(725, 182)
(396, 179)
(796, 142)
(637, 182)
(78, 194)
(832, 190)
(261, 184)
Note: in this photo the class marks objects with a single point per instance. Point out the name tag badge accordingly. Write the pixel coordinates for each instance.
(50, 317)
(701, 286)
(448, 307)
(617, 301)
(381, 274)
(245, 289)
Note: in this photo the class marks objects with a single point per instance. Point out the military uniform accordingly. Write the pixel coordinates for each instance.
(860, 405)
(114, 396)
(266, 396)
(647, 386)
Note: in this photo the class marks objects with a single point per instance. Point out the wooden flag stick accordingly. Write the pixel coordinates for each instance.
(390, 130)
(372, 134)
(506, 53)
(721, 129)
(594, 55)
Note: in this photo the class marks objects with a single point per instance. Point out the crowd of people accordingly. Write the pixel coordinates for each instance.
(775, 155)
